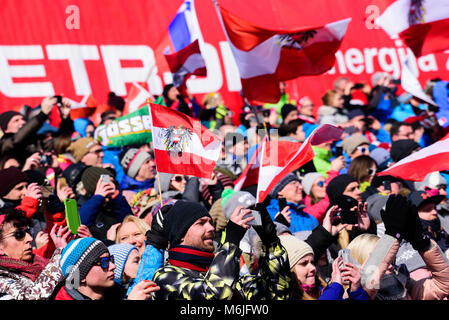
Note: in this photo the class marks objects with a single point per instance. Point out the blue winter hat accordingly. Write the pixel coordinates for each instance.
(121, 253)
(308, 128)
(79, 256)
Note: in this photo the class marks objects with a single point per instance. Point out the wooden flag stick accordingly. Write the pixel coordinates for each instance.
(155, 161)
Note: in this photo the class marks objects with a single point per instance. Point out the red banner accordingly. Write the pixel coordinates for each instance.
(52, 47)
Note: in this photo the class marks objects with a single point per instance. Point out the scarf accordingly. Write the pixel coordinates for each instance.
(309, 289)
(435, 231)
(31, 270)
(190, 258)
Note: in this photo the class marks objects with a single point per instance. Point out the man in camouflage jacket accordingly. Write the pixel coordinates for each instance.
(194, 272)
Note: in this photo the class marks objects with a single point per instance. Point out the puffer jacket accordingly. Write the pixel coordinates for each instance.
(222, 280)
(20, 287)
(332, 115)
(384, 254)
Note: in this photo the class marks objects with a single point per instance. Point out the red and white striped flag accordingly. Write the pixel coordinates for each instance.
(137, 98)
(250, 176)
(279, 158)
(186, 62)
(182, 145)
(265, 57)
(423, 25)
(416, 166)
(83, 109)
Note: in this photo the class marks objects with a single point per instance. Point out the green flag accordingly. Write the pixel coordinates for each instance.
(134, 128)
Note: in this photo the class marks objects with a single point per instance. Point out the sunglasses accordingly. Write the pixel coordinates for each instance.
(104, 262)
(19, 234)
(98, 151)
(362, 149)
(371, 171)
(178, 178)
(320, 183)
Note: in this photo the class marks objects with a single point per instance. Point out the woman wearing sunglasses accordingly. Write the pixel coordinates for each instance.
(314, 184)
(24, 275)
(177, 186)
(363, 168)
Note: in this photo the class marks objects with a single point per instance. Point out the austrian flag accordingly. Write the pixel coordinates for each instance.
(186, 62)
(265, 57)
(422, 24)
(182, 145)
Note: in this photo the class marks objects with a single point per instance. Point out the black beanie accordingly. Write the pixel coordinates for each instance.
(9, 178)
(402, 148)
(5, 117)
(90, 177)
(180, 217)
(337, 186)
(286, 109)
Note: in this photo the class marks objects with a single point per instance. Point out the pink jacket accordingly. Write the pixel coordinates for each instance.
(434, 288)
(318, 210)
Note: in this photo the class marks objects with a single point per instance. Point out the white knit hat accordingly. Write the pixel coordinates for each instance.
(296, 249)
(309, 179)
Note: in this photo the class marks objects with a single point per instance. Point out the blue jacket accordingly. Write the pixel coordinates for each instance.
(129, 183)
(92, 207)
(335, 291)
(151, 260)
(301, 221)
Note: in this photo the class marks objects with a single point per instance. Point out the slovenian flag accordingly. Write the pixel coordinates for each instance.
(184, 28)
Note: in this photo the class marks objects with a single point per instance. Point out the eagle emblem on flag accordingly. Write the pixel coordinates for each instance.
(416, 13)
(176, 139)
(296, 40)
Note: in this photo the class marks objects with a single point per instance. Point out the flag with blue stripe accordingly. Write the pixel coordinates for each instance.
(184, 28)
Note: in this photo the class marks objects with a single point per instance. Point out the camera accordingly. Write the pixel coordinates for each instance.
(58, 100)
(45, 160)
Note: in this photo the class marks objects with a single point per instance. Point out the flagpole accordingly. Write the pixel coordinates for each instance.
(155, 161)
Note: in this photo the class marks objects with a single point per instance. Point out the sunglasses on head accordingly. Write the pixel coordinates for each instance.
(104, 262)
(19, 234)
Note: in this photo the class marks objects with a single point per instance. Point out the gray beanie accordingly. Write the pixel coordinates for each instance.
(232, 199)
(376, 202)
(286, 180)
(309, 179)
(352, 142)
(132, 160)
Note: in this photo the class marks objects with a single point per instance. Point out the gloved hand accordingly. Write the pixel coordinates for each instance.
(156, 236)
(267, 231)
(395, 216)
(415, 232)
(55, 205)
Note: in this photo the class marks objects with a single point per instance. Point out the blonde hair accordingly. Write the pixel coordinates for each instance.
(362, 246)
(141, 224)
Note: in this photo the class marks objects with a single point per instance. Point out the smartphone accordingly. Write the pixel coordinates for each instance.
(387, 185)
(338, 151)
(257, 219)
(58, 100)
(350, 130)
(282, 203)
(72, 215)
(105, 178)
(345, 255)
